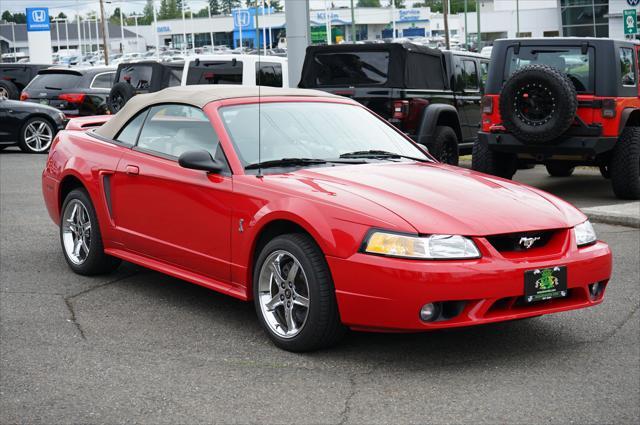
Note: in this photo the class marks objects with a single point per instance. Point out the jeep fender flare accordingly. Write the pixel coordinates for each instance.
(630, 116)
(434, 115)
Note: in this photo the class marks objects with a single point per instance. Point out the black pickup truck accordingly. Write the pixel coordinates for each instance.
(431, 95)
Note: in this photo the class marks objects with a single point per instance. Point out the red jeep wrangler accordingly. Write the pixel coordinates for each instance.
(563, 102)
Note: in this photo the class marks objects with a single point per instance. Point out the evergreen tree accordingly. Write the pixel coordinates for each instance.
(7, 16)
(215, 7)
(368, 3)
(148, 13)
(229, 5)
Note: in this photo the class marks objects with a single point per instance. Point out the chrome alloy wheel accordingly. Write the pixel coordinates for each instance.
(4, 94)
(283, 292)
(76, 232)
(38, 136)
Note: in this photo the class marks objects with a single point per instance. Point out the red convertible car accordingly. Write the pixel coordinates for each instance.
(316, 209)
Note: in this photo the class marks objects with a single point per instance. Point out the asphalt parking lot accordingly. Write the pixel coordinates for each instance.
(138, 346)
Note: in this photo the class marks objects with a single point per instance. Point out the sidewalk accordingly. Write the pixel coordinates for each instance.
(627, 214)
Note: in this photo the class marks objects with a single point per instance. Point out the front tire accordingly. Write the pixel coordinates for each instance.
(294, 295)
(80, 236)
(559, 169)
(487, 161)
(36, 135)
(625, 165)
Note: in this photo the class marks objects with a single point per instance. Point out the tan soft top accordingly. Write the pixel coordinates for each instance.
(196, 95)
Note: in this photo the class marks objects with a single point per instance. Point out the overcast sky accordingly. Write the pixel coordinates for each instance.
(69, 7)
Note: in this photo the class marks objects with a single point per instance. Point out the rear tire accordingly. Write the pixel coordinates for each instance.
(317, 326)
(487, 161)
(625, 164)
(80, 236)
(8, 90)
(444, 146)
(559, 169)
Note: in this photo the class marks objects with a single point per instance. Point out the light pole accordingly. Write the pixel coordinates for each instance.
(327, 22)
(393, 19)
(155, 30)
(57, 36)
(13, 34)
(479, 33)
(264, 31)
(213, 43)
(517, 18)
(121, 31)
(78, 25)
(184, 31)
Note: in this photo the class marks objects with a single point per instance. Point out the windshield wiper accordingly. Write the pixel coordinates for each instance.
(381, 154)
(285, 162)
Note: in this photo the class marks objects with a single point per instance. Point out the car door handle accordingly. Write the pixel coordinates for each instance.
(132, 170)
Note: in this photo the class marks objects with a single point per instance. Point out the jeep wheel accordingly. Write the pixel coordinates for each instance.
(625, 165)
(559, 169)
(119, 95)
(444, 145)
(538, 103)
(487, 161)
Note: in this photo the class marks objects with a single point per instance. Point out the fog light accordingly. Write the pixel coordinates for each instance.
(430, 312)
(595, 290)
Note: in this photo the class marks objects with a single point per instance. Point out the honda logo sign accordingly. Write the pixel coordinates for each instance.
(38, 19)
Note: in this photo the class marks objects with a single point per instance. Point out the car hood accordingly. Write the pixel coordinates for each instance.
(436, 198)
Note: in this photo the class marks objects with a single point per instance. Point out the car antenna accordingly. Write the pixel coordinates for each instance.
(259, 98)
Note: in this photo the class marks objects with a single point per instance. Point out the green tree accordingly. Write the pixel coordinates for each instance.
(229, 5)
(215, 7)
(400, 4)
(148, 14)
(368, 3)
(19, 18)
(7, 16)
(457, 6)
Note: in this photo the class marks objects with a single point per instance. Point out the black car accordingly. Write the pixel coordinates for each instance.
(75, 91)
(431, 95)
(14, 78)
(31, 127)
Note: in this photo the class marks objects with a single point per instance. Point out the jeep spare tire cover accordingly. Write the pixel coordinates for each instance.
(119, 95)
(538, 103)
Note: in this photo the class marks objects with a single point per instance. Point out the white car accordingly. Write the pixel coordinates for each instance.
(247, 70)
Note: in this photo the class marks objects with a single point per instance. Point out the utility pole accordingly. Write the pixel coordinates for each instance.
(121, 31)
(155, 30)
(445, 15)
(393, 19)
(105, 41)
(185, 45)
(479, 33)
(466, 29)
(78, 22)
(353, 24)
(213, 43)
(517, 18)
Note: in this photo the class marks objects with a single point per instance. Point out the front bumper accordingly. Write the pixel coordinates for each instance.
(584, 146)
(386, 294)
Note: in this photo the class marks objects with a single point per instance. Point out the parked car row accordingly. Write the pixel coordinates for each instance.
(543, 105)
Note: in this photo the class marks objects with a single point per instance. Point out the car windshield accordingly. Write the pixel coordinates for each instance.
(310, 130)
(570, 60)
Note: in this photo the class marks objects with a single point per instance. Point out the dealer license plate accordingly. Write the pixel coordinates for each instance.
(544, 284)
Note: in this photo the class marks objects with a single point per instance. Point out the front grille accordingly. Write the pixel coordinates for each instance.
(516, 242)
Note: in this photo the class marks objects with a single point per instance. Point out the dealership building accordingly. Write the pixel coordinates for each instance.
(498, 19)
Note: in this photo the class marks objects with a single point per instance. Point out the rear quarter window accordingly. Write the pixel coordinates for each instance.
(627, 67)
(215, 72)
(268, 74)
(103, 80)
(138, 76)
(351, 68)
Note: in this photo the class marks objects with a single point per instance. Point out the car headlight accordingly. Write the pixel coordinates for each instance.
(585, 233)
(434, 247)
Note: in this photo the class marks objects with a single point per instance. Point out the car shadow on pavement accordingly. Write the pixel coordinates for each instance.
(186, 309)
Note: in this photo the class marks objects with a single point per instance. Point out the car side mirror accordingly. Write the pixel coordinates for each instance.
(200, 160)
